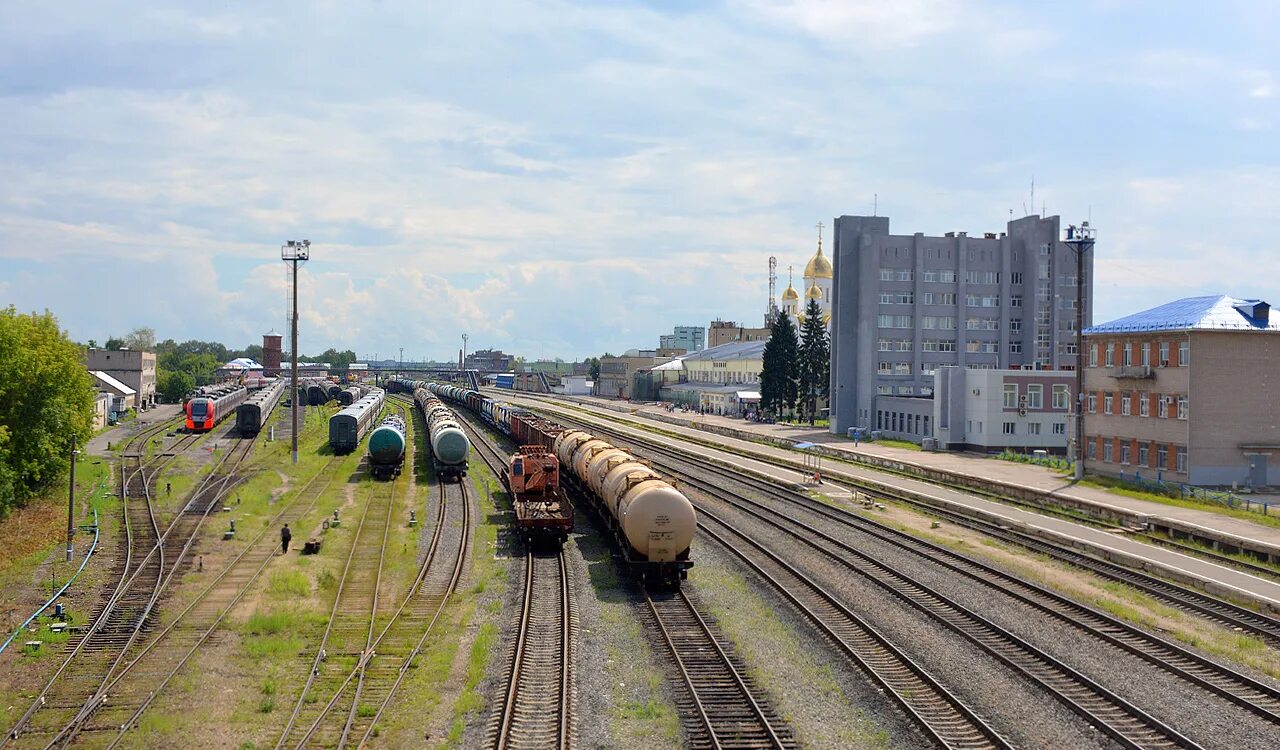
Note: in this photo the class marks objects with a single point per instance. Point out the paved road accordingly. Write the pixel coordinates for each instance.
(98, 445)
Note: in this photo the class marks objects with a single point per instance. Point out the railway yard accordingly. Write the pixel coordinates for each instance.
(490, 568)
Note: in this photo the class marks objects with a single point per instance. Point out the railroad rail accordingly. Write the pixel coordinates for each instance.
(381, 667)
(730, 713)
(348, 634)
(1126, 723)
(536, 710)
(938, 711)
(151, 558)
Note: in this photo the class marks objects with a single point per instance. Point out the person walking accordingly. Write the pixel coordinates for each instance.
(285, 536)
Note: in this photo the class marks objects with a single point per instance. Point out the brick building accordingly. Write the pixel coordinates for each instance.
(1144, 374)
(728, 332)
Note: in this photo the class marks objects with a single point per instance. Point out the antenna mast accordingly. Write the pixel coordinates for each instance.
(771, 312)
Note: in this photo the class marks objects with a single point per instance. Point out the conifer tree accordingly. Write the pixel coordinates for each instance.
(780, 371)
(814, 360)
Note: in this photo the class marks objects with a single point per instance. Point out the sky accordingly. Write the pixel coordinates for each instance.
(561, 179)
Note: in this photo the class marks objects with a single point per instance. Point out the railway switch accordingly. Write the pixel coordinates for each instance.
(336, 522)
(413, 518)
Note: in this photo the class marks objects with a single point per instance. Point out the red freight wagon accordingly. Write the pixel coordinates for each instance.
(543, 511)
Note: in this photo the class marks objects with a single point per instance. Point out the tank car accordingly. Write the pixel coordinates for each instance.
(252, 415)
(449, 444)
(653, 521)
(206, 410)
(387, 448)
(349, 426)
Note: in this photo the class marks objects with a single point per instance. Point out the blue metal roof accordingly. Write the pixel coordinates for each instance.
(1217, 312)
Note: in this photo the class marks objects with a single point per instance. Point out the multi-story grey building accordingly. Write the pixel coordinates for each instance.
(904, 305)
(134, 368)
(689, 338)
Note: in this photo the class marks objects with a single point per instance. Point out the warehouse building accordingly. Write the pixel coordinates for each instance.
(904, 306)
(1186, 392)
(728, 332)
(136, 369)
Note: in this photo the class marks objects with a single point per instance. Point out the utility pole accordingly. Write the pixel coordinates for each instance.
(1081, 239)
(295, 252)
(71, 502)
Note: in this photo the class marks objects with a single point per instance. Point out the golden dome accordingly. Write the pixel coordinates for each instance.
(819, 267)
(814, 292)
(790, 294)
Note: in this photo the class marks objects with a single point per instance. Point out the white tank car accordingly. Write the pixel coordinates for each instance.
(657, 519)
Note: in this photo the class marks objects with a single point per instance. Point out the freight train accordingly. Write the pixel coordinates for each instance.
(252, 415)
(211, 405)
(449, 444)
(542, 508)
(349, 426)
(652, 521)
(387, 447)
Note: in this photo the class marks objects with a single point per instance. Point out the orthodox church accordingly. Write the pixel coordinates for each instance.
(817, 280)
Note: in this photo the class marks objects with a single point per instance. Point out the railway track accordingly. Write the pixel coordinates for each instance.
(152, 558)
(1124, 722)
(146, 675)
(727, 708)
(363, 685)
(536, 711)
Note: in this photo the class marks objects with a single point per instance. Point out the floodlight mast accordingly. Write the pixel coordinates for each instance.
(294, 252)
(1081, 239)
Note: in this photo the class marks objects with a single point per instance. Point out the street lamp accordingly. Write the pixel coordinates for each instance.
(294, 252)
(1080, 239)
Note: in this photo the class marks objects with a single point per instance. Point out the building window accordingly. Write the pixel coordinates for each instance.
(884, 345)
(1164, 353)
(930, 276)
(990, 301)
(1060, 397)
(1059, 428)
(886, 274)
(1124, 404)
(906, 274)
(1015, 324)
(971, 300)
(886, 298)
(1124, 451)
(1111, 355)
(1128, 354)
(1010, 396)
(908, 298)
(947, 277)
(884, 390)
(1035, 396)
(947, 298)
(1106, 451)
(1162, 457)
(1009, 428)
(1106, 403)
(1162, 407)
(1142, 454)
(1093, 403)
(904, 345)
(928, 296)
(1015, 347)
(1045, 272)
(1144, 405)
(1146, 354)
(906, 390)
(885, 368)
(1182, 460)
(894, 321)
(1045, 249)
(1015, 277)
(1033, 428)
(901, 368)
(1015, 300)
(1184, 353)
(1092, 450)
(1183, 408)
(944, 322)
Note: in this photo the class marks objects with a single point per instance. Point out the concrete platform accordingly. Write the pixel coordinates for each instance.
(1209, 576)
(97, 445)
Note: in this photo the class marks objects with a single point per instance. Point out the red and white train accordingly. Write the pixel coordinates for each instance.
(213, 404)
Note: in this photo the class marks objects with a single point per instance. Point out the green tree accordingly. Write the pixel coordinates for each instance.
(174, 385)
(815, 359)
(113, 344)
(780, 370)
(594, 367)
(46, 398)
(141, 339)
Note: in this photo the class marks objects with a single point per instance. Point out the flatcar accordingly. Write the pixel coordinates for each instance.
(349, 426)
(449, 444)
(252, 415)
(387, 447)
(206, 411)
